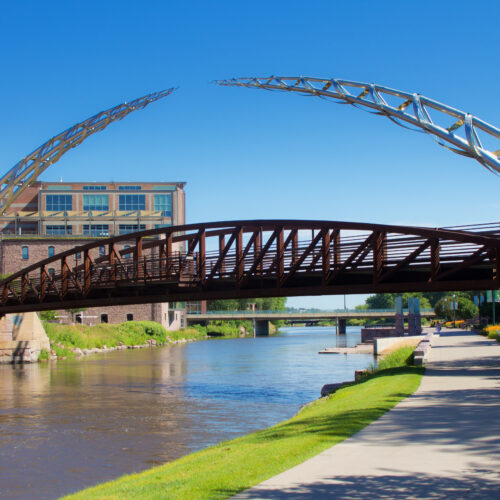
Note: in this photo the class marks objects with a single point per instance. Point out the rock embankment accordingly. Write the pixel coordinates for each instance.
(94, 350)
(78, 352)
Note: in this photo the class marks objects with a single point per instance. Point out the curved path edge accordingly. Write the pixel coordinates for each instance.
(441, 442)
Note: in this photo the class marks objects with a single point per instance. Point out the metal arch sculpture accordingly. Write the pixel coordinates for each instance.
(403, 108)
(26, 171)
(257, 258)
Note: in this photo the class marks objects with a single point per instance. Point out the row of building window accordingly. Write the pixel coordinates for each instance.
(64, 202)
(97, 230)
(51, 252)
(103, 188)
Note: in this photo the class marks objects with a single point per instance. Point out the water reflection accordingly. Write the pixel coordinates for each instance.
(71, 424)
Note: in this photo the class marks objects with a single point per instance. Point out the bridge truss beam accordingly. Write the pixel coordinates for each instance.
(453, 129)
(255, 259)
(27, 170)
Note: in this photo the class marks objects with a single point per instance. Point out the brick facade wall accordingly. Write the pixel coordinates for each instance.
(11, 261)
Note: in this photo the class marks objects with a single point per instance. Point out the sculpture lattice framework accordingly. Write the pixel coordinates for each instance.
(26, 171)
(453, 129)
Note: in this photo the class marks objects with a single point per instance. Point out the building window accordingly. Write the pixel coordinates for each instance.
(25, 252)
(102, 251)
(58, 230)
(96, 230)
(58, 202)
(51, 251)
(104, 318)
(130, 317)
(52, 271)
(127, 255)
(94, 188)
(129, 188)
(78, 318)
(163, 203)
(130, 228)
(132, 202)
(157, 226)
(95, 202)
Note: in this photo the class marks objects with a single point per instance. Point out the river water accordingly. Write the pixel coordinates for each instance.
(72, 424)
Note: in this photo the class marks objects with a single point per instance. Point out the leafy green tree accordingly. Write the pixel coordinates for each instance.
(388, 300)
(380, 301)
(361, 307)
(261, 304)
(465, 308)
(48, 315)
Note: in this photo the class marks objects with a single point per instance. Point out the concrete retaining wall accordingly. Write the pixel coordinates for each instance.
(387, 345)
(22, 337)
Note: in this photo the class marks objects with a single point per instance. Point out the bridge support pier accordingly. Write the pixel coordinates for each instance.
(22, 337)
(414, 318)
(399, 319)
(261, 327)
(341, 326)
(418, 318)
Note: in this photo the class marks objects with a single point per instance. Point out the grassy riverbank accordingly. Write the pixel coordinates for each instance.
(64, 339)
(225, 469)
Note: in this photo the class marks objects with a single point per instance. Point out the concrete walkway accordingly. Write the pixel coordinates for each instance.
(442, 442)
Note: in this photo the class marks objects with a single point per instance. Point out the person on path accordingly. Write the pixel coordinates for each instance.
(438, 327)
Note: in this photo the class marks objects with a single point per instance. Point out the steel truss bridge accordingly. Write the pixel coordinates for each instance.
(257, 258)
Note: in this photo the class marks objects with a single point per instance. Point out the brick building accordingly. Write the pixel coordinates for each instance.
(51, 217)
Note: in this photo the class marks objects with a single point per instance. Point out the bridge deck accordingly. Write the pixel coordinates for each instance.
(283, 315)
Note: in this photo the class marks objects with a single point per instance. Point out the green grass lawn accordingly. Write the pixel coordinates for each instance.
(232, 466)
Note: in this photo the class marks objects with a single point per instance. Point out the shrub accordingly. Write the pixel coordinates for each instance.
(62, 351)
(88, 337)
(44, 355)
(492, 332)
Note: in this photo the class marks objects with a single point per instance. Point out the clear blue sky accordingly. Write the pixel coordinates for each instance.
(247, 153)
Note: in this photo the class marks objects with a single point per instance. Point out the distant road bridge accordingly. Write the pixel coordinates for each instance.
(299, 316)
(261, 318)
(258, 258)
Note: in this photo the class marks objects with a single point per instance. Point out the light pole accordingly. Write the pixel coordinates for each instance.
(454, 304)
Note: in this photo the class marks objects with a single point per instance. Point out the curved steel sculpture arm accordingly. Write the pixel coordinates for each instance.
(26, 171)
(460, 135)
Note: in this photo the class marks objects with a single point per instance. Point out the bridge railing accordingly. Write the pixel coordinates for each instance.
(256, 258)
(297, 313)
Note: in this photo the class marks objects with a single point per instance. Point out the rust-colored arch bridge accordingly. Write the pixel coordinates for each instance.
(257, 258)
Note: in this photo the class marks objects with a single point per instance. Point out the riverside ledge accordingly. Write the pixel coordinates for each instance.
(441, 442)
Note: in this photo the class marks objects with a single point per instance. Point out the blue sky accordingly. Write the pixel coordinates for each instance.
(247, 153)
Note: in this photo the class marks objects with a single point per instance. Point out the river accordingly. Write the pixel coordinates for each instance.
(74, 423)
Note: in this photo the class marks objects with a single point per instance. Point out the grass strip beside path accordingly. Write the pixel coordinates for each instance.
(232, 466)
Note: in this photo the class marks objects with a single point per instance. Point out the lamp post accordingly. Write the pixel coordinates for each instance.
(454, 304)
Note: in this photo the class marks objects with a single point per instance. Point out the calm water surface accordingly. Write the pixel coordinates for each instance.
(75, 423)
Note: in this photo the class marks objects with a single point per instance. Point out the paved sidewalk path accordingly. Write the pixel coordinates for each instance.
(442, 442)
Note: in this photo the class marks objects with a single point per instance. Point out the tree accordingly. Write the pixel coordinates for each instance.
(388, 300)
(465, 308)
(380, 301)
(261, 304)
(48, 315)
